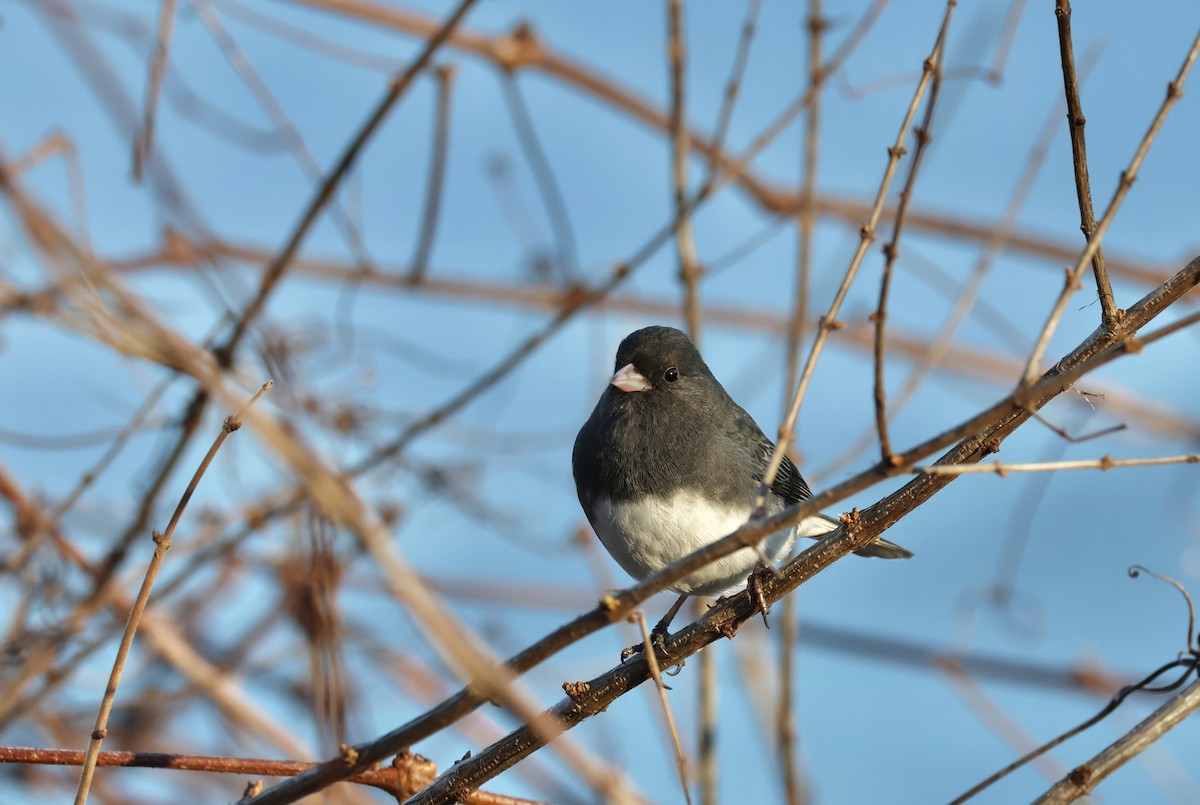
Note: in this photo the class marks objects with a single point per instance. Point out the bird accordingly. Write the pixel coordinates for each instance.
(668, 463)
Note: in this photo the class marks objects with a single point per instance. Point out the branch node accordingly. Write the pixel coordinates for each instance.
(850, 519)
(576, 690)
(1080, 776)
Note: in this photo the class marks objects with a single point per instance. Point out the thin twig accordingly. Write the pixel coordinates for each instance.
(1174, 91)
(680, 758)
(891, 251)
(1083, 188)
(785, 717)
(968, 297)
(1105, 463)
(162, 543)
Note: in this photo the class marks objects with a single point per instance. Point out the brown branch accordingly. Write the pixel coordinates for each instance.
(403, 778)
(1083, 188)
(736, 74)
(1103, 464)
(891, 251)
(523, 49)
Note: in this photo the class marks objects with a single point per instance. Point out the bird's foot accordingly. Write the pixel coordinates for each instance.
(754, 586)
(658, 635)
(658, 639)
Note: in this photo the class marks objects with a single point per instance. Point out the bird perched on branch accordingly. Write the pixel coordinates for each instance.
(668, 463)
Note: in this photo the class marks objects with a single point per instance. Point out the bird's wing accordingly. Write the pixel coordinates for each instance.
(787, 484)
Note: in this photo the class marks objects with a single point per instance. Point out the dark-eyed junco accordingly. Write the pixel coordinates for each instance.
(668, 463)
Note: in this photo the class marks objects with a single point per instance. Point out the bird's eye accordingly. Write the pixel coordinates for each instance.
(671, 375)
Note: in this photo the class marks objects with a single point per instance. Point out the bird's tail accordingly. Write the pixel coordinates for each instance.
(819, 525)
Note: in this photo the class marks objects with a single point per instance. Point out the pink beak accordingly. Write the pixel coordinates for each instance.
(628, 378)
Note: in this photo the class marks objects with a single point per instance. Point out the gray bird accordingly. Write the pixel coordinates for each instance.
(668, 463)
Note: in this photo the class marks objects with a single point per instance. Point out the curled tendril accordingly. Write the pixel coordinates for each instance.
(1193, 639)
(1188, 660)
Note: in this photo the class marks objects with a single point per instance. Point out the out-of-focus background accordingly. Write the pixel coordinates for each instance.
(533, 157)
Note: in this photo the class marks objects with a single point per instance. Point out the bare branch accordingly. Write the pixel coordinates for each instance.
(1083, 188)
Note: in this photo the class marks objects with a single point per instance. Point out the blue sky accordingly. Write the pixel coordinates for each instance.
(870, 731)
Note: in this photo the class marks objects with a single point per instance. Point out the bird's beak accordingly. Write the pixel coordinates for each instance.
(628, 378)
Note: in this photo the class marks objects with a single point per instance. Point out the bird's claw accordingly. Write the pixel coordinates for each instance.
(658, 638)
(754, 587)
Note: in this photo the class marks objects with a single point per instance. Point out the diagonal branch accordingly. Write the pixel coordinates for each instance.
(1083, 779)
(979, 436)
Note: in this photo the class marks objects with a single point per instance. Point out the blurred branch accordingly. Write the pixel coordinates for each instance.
(282, 124)
(437, 174)
(543, 177)
(274, 270)
(685, 238)
(178, 251)
(523, 49)
(143, 144)
(137, 332)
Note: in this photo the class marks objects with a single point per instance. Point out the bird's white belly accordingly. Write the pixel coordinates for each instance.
(647, 535)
